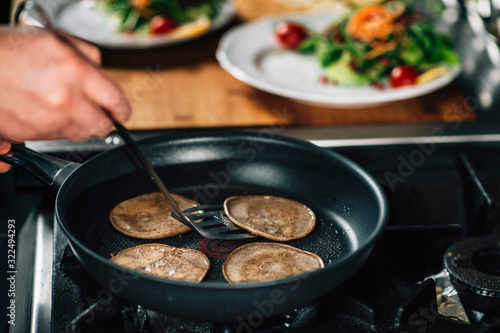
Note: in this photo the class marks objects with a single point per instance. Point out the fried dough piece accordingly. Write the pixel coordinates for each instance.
(271, 217)
(147, 216)
(260, 262)
(164, 261)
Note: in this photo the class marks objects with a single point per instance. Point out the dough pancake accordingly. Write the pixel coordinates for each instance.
(164, 261)
(271, 217)
(260, 262)
(147, 216)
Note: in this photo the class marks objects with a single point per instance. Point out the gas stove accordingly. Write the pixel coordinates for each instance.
(434, 269)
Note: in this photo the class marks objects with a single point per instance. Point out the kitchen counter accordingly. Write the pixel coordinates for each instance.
(183, 86)
(193, 91)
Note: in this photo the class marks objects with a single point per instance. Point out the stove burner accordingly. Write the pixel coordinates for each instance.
(473, 264)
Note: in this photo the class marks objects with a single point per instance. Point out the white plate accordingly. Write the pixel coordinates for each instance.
(87, 20)
(251, 54)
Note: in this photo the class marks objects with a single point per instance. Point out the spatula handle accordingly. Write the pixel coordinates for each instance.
(137, 152)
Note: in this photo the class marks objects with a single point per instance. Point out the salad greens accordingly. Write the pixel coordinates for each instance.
(366, 45)
(136, 14)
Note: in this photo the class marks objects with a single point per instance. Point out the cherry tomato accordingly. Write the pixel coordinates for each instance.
(403, 75)
(160, 25)
(290, 34)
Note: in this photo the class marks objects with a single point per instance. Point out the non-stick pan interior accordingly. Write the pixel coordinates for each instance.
(334, 236)
(348, 205)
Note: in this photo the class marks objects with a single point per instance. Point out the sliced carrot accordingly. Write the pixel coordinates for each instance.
(370, 22)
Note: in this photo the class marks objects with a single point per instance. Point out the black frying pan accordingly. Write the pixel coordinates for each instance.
(351, 212)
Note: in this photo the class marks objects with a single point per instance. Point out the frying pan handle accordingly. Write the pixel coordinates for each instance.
(49, 170)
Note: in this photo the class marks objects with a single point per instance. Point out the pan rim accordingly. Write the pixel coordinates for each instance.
(367, 243)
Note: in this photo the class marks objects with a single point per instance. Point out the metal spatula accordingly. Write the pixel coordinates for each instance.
(210, 221)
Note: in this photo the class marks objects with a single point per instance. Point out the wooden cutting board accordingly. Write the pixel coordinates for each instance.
(183, 86)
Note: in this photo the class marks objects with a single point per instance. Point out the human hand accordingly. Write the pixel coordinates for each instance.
(53, 88)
